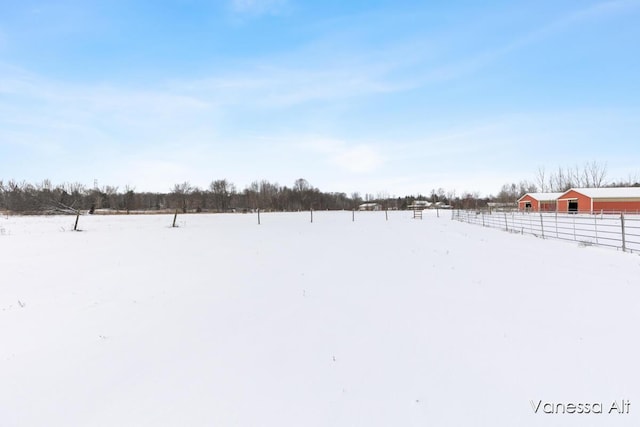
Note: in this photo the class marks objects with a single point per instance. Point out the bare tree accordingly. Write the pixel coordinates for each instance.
(251, 195)
(594, 174)
(180, 195)
(591, 175)
(268, 194)
(129, 198)
(301, 193)
(509, 193)
(541, 179)
(356, 199)
(221, 190)
(562, 180)
(301, 185)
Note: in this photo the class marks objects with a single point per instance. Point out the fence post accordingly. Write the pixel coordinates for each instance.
(574, 227)
(624, 242)
(542, 225)
(483, 219)
(311, 215)
(595, 226)
(258, 216)
(75, 227)
(386, 215)
(353, 215)
(175, 216)
(506, 224)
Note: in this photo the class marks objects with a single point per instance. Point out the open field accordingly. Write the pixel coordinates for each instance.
(223, 322)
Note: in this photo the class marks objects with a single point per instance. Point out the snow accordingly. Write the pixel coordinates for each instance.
(609, 192)
(224, 322)
(543, 197)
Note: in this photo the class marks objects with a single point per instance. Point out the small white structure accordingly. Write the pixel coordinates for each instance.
(420, 204)
(370, 207)
(441, 205)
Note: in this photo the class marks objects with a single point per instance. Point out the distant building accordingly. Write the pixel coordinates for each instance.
(502, 206)
(420, 204)
(370, 207)
(441, 205)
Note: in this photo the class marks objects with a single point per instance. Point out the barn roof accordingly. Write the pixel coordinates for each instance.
(543, 197)
(609, 192)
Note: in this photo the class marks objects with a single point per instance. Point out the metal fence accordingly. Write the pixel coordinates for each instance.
(614, 230)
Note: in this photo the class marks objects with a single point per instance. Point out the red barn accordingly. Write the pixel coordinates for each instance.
(538, 202)
(595, 200)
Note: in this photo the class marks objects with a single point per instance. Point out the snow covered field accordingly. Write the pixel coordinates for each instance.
(223, 322)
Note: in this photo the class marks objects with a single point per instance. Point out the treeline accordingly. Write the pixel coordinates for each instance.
(220, 196)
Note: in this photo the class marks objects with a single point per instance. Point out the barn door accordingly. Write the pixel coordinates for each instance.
(573, 206)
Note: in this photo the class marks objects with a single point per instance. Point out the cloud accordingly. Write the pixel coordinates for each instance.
(600, 10)
(258, 7)
(285, 85)
(463, 66)
(76, 132)
(37, 104)
(353, 159)
(358, 159)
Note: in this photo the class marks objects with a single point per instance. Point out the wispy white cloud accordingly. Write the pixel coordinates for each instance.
(32, 100)
(596, 11)
(284, 85)
(603, 9)
(164, 131)
(258, 7)
(155, 137)
(358, 159)
(483, 155)
(463, 66)
(79, 131)
(354, 158)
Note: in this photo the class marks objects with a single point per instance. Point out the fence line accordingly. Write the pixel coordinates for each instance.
(614, 230)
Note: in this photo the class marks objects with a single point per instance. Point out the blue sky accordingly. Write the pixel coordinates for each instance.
(396, 97)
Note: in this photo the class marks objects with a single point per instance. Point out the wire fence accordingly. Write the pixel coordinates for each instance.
(614, 230)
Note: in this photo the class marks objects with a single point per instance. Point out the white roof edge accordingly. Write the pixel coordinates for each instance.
(543, 197)
(608, 192)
